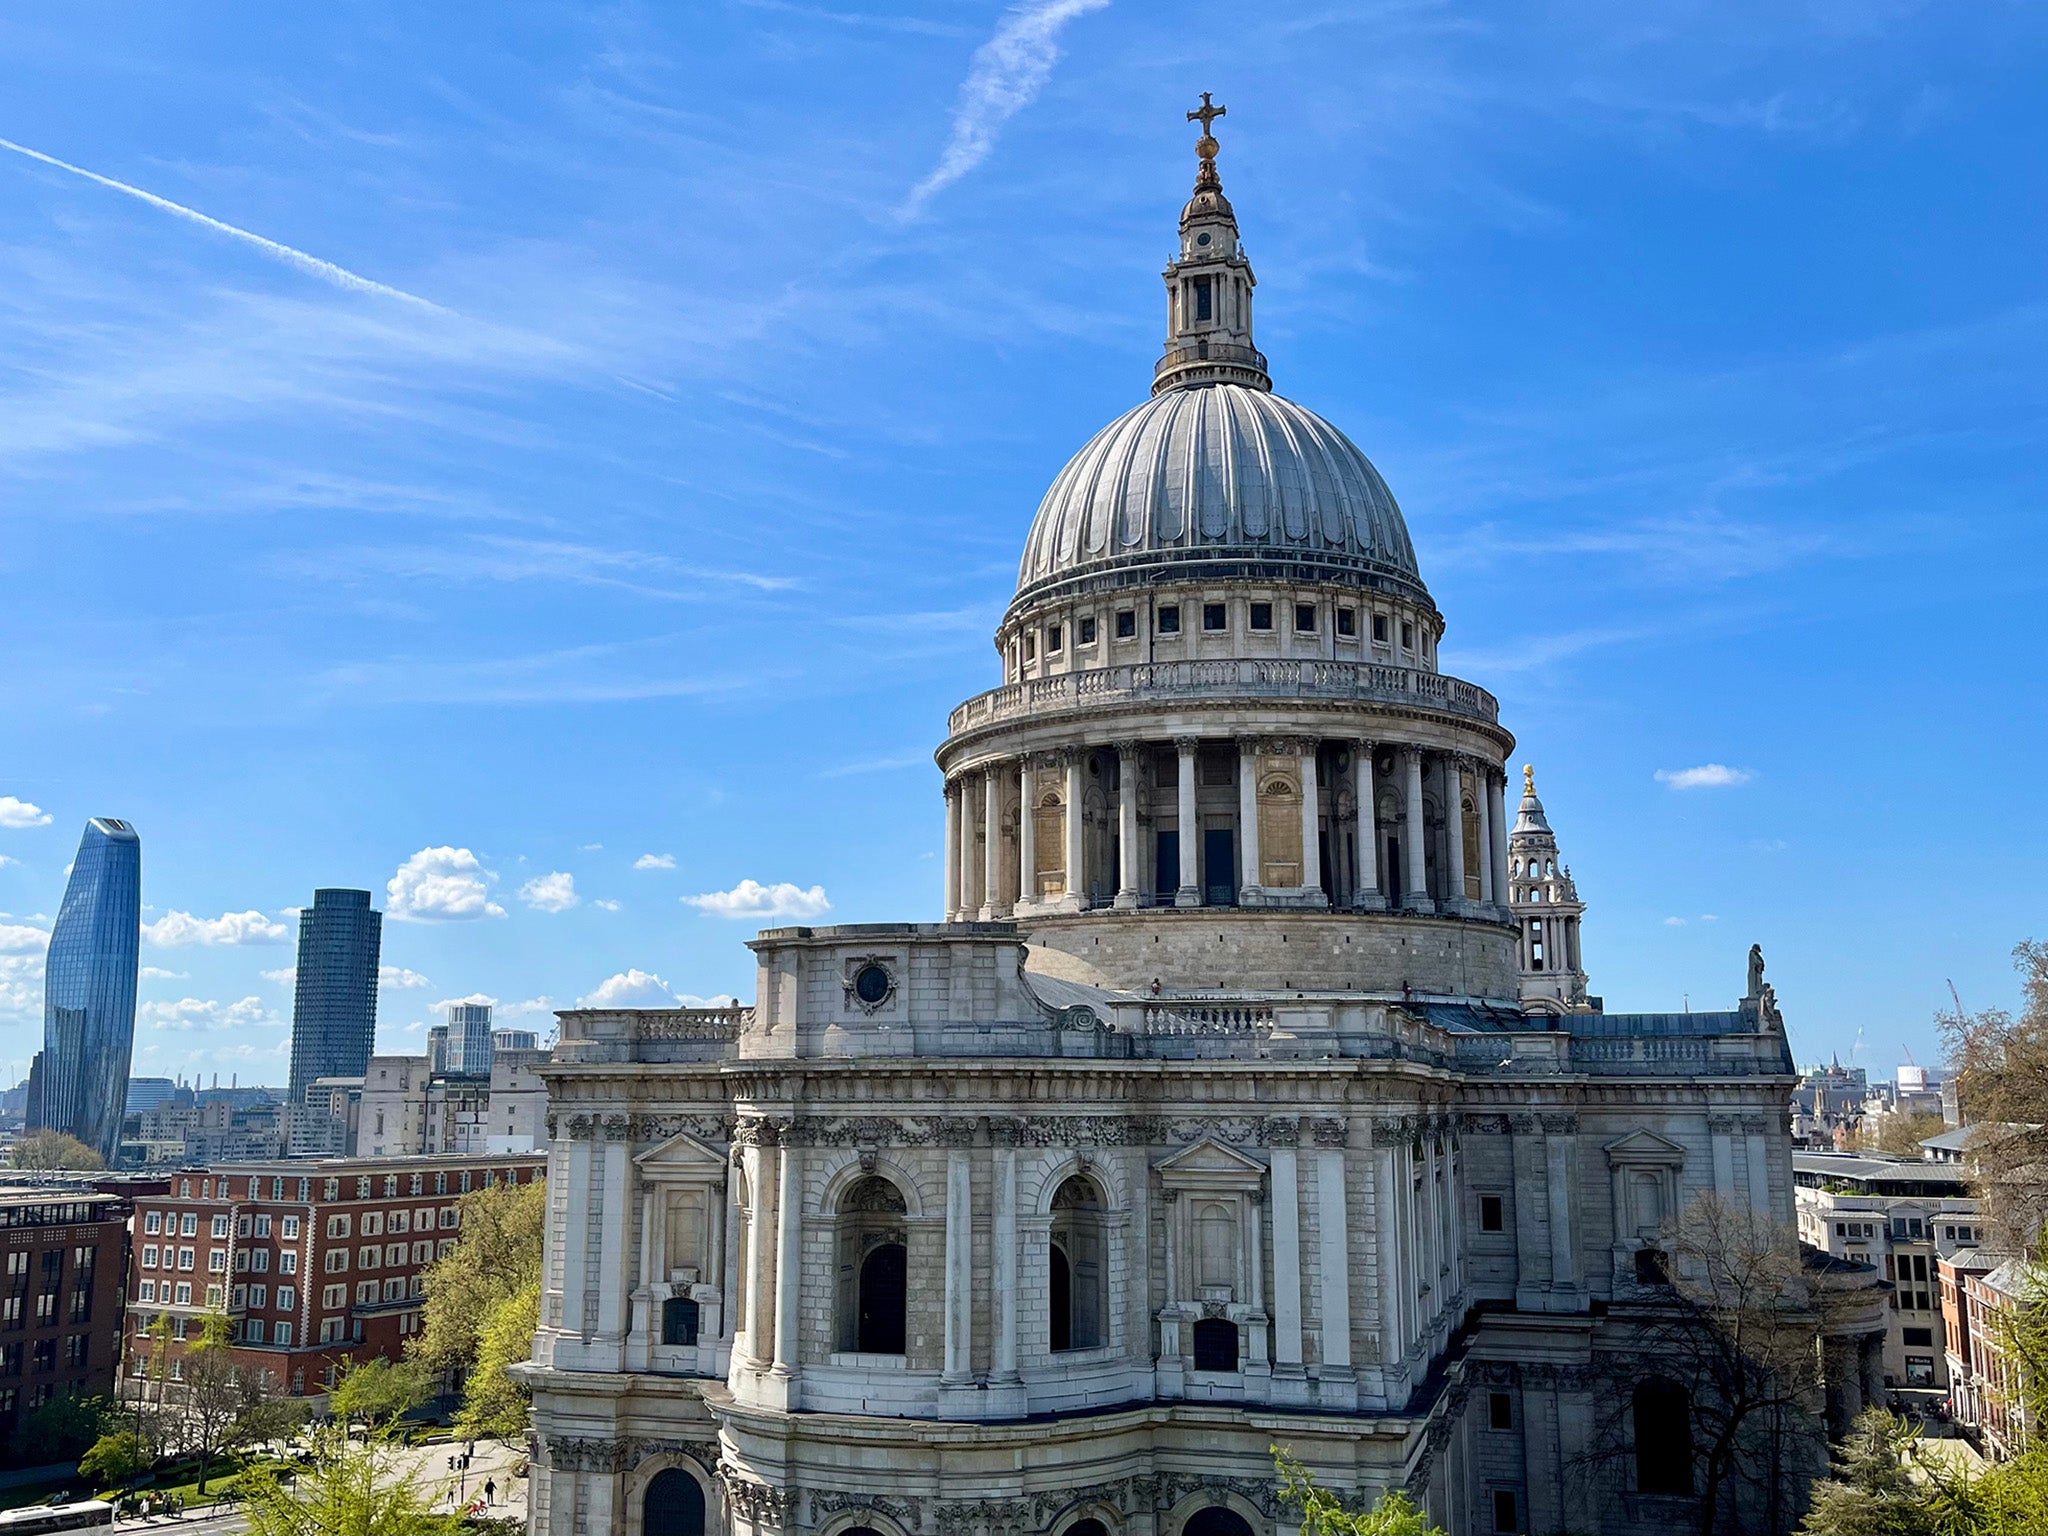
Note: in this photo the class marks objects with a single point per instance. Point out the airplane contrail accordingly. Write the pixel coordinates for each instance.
(327, 271)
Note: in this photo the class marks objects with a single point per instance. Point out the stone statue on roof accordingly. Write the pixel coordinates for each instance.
(1756, 971)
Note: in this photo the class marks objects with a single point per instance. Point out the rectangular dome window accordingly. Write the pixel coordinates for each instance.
(1030, 647)
(1205, 303)
(1262, 616)
(1379, 628)
(1305, 618)
(1347, 621)
(1213, 616)
(1087, 635)
(1407, 636)
(1169, 619)
(1126, 623)
(1052, 639)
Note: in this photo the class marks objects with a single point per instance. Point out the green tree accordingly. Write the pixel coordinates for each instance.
(62, 1428)
(351, 1488)
(215, 1407)
(1875, 1490)
(1392, 1514)
(48, 1151)
(116, 1459)
(493, 1403)
(2000, 1064)
(476, 1292)
(378, 1391)
(1899, 1135)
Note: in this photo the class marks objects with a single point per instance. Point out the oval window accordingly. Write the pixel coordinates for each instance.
(871, 984)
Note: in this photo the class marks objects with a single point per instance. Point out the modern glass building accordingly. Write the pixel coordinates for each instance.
(469, 1039)
(89, 991)
(334, 1008)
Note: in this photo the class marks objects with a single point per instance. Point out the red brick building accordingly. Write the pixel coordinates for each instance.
(60, 1297)
(314, 1260)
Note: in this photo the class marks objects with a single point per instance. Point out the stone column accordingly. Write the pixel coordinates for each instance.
(1248, 818)
(758, 1333)
(1497, 851)
(970, 846)
(1003, 1293)
(1454, 829)
(1027, 830)
(789, 1243)
(1311, 819)
(1870, 1359)
(1286, 1178)
(1334, 1246)
(959, 1265)
(991, 843)
(1417, 894)
(1484, 797)
(1390, 1252)
(1186, 833)
(1559, 1137)
(615, 1217)
(952, 850)
(1843, 1382)
(1077, 782)
(1127, 850)
(1758, 1169)
(1368, 894)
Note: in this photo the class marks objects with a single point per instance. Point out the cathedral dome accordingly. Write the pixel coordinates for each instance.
(1218, 472)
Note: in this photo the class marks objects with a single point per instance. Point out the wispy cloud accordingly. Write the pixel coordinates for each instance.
(877, 765)
(1705, 776)
(19, 813)
(554, 892)
(176, 929)
(752, 900)
(304, 261)
(655, 861)
(1008, 72)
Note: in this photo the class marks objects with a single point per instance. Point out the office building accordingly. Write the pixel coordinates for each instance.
(79, 1084)
(316, 1262)
(469, 1039)
(334, 1010)
(60, 1299)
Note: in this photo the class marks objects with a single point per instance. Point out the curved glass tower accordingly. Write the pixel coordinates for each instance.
(89, 989)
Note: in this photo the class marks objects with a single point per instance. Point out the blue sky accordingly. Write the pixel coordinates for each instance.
(623, 446)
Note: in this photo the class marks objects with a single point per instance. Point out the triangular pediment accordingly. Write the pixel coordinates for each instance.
(1643, 1146)
(1210, 1164)
(682, 1156)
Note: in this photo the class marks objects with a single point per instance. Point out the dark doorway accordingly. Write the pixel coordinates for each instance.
(1326, 872)
(1397, 877)
(1166, 867)
(674, 1505)
(884, 1290)
(1087, 1528)
(1216, 1522)
(679, 1318)
(1219, 867)
(1663, 1437)
(1215, 1345)
(1062, 1301)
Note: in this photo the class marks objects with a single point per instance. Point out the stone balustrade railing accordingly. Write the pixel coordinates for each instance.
(619, 1034)
(1226, 678)
(1192, 1018)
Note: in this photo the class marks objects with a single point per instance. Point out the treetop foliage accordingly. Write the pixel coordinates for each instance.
(48, 1151)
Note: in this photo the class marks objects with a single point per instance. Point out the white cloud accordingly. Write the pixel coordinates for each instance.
(204, 1013)
(655, 861)
(442, 885)
(1710, 917)
(19, 813)
(15, 939)
(158, 973)
(550, 893)
(287, 977)
(176, 929)
(399, 977)
(1006, 75)
(591, 847)
(606, 906)
(21, 987)
(1706, 776)
(532, 1007)
(1674, 922)
(643, 989)
(5, 861)
(475, 997)
(750, 899)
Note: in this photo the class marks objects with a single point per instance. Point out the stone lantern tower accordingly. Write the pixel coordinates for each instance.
(1547, 910)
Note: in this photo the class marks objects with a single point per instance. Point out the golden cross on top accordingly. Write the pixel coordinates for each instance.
(1208, 114)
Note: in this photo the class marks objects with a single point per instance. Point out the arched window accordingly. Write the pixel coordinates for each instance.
(1075, 1264)
(1215, 1345)
(1087, 1528)
(674, 1505)
(873, 1268)
(679, 1317)
(1663, 1437)
(1216, 1521)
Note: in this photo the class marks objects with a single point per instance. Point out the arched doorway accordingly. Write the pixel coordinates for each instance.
(1075, 1265)
(1060, 1305)
(873, 1288)
(1215, 1345)
(673, 1506)
(1216, 1521)
(884, 1295)
(1087, 1528)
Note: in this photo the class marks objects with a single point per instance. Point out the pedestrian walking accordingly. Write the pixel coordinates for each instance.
(490, 1491)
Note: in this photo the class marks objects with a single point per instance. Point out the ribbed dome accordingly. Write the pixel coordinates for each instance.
(1217, 472)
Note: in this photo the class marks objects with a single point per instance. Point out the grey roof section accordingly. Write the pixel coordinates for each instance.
(1057, 994)
(1849, 1165)
(1607, 1026)
(1213, 472)
(1474, 1018)
(1954, 1140)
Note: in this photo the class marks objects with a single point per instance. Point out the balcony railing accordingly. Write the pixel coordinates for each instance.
(1228, 678)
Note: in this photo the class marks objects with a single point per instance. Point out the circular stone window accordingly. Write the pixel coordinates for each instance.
(871, 985)
(1202, 239)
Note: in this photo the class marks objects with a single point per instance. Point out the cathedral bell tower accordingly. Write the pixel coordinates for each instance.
(1547, 910)
(1209, 287)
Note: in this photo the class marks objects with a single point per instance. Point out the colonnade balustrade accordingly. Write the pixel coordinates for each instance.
(1295, 822)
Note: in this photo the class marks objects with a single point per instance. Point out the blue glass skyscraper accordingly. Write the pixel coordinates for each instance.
(334, 1011)
(89, 990)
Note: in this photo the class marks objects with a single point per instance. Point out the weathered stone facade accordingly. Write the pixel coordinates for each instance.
(1066, 1209)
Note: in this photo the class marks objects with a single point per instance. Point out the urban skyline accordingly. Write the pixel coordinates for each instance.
(334, 1003)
